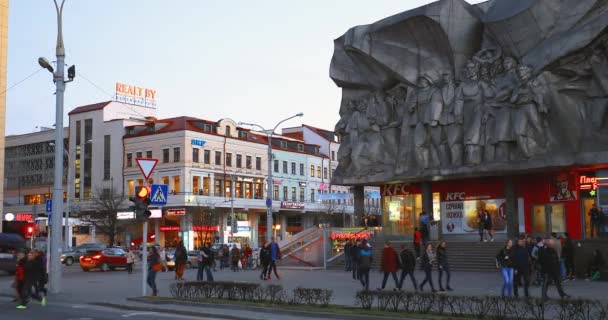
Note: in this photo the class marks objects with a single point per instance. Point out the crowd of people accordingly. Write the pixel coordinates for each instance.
(30, 278)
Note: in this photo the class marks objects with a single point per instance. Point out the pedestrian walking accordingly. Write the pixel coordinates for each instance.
(130, 260)
(22, 284)
(417, 242)
(225, 257)
(522, 266)
(568, 256)
(39, 276)
(163, 259)
(365, 263)
(235, 257)
(408, 265)
(247, 257)
(488, 225)
(424, 228)
(389, 264)
(348, 255)
(443, 266)
(355, 259)
(275, 255)
(481, 223)
(428, 256)
(595, 219)
(206, 263)
(201, 265)
(535, 255)
(181, 257)
(504, 261)
(154, 266)
(265, 260)
(551, 270)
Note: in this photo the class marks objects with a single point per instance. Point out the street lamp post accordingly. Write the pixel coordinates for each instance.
(269, 183)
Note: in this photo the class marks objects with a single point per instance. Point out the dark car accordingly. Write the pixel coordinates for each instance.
(10, 244)
(104, 260)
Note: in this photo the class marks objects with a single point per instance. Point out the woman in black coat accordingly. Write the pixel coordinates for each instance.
(428, 256)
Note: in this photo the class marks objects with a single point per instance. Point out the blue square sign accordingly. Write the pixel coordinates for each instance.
(49, 205)
(158, 194)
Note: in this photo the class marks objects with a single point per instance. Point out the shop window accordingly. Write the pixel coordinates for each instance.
(548, 218)
(217, 189)
(239, 190)
(228, 189)
(248, 191)
(165, 180)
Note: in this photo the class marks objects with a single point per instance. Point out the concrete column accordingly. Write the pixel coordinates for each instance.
(283, 219)
(156, 231)
(211, 185)
(222, 227)
(427, 197)
(359, 204)
(511, 208)
(253, 223)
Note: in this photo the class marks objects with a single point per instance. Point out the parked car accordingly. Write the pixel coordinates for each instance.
(74, 254)
(104, 260)
(10, 244)
(192, 259)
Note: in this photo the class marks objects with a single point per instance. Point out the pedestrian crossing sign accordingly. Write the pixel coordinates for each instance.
(159, 194)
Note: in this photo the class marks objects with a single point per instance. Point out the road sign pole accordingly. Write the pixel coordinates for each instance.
(144, 259)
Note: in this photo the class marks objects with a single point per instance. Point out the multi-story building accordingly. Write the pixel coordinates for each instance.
(3, 55)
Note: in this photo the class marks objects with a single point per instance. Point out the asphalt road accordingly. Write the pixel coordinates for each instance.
(63, 311)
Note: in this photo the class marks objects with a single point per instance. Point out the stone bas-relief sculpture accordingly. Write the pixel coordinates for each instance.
(475, 96)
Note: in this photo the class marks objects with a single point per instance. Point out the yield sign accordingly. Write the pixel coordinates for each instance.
(146, 166)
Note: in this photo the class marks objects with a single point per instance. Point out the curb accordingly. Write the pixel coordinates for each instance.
(269, 310)
(165, 311)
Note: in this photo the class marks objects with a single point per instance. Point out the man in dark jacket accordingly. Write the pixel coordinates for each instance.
(551, 269)
(521, 261)
(568, 255)
(355, 260)
(265, 260)
(348, 255)
(365, 264)
(595, 219)
(408, 265)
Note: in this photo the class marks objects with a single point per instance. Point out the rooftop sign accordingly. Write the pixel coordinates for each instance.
(135, 95)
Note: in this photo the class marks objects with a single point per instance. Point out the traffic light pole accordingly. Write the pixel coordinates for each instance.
(144, 259)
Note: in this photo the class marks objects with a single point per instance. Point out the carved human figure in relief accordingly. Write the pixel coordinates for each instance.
(529, 106)
(425, 112)
(470, 98)
(450, 127)
(341, 130)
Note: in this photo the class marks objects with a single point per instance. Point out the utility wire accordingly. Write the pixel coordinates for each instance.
(21, 81)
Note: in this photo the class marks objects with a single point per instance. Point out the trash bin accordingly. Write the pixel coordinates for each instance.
(434, 231)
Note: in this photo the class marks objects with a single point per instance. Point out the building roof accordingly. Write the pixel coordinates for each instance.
(325, 134)
(90, 107)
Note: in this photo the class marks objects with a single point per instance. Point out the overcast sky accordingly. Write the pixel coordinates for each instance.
(255, 61)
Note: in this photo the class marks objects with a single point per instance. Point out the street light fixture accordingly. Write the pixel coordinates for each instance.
(269, 183)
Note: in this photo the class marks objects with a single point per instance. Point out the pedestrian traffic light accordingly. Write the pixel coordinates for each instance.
(141, 201)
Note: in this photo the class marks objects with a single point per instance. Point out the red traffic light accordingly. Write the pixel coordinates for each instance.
(143, 192)
(30, 230)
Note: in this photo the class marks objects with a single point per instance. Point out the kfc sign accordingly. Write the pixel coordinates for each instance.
(395, 189)
(454, 196)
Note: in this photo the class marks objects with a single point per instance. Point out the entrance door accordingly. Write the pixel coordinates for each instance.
(548, 218)
(587, 203)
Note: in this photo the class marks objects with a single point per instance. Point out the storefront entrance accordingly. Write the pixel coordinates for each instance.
(548, 218)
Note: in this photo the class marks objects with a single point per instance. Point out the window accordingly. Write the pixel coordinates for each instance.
(165, 155)
(228, 132)
(138, 155)
(275, 195)
(195, 155)
(228, 189)
(284, 144)
(239, 161)
(301, 169)
(131, 187)
(88, 159)
(129, 160)
(176, 185)
(218, 158)
(324, 173)
(239, 189)
(333, 156)
(207, 156)
(302, 194)
(258, 163)
(217, 187)
(206, 186)
(229, 159)
(293, 168)
(276, 165)
(165, 180)
(312, 171)
(285, 193)
(106, 157)
(318, 171)
(176, 155)
(149, 154)
(312, 195)
(293, 194)
(195, 184)
(300, 147)
(284, 166)
(242, 134)
(248, 163)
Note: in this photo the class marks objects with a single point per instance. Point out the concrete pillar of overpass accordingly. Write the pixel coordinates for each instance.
(359, 204)
(511, 208)
(156, 231)
(283, 219)
(427, 198)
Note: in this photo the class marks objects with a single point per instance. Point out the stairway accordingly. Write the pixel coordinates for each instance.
(462, 255)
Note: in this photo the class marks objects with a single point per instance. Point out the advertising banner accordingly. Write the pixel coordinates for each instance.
(461, 216)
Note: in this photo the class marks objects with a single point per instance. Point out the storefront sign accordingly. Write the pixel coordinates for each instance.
(27, 217)
(239, 229)
(205, 228)
(125, 215)
(156, 213)
(176, 212)
(334, 196)
(292, 205)
(394, 212)
(9, 216)
(461, 216)
(169, 228)
(563, 188)
(397, 189)
(135, 95)
(351, 235)
(302, 184)
(196, 142)
(275, 181)
(587, 184)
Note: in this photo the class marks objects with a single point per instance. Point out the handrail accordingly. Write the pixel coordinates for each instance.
(296, 237)
(300, 242)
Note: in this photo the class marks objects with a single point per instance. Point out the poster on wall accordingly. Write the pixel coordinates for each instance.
(563, 188)
(394, 213)
(460, 217)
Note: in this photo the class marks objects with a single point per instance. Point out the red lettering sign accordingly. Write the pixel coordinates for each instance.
(169, 228)
(587, 182)
(24, 217)
(176, 212)
(205, 228)
(397, 189)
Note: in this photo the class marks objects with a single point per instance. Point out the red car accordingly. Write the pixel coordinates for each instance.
(104, 260)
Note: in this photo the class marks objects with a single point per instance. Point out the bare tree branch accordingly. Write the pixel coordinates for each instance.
(103, 214)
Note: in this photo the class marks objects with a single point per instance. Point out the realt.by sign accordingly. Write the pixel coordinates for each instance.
(135, 95)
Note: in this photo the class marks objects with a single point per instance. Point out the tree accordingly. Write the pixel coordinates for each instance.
(102, 214)
(205, 214)
(330, 211)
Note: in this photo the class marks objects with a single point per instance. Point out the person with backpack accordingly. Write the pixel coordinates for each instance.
(389, 264)
(365, 263)
(428, 257)
(504, 261)
(408, 265)
(443, 266)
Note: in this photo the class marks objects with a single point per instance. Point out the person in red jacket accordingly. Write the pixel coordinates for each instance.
(389, 264)
(417, 241)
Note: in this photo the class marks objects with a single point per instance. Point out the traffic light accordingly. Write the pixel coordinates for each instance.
(141, 201)
(29, 231)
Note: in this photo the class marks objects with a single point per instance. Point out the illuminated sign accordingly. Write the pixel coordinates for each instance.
(135, 95)
(24, 217)
(587, 183)
(395, 189)
(274, 181)
(292, 205)
(205, 228)
(176, 212)
(168, 228)
(9, 216)
(125, 215)
(156, 213)
(196, 142)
